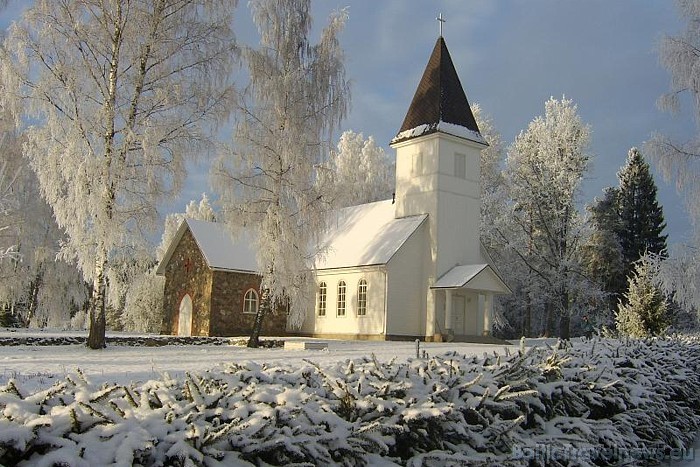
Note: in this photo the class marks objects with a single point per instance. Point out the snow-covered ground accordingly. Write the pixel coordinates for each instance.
(37, 367)
(355, 403)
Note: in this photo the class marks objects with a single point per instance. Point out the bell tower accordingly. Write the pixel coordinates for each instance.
(438, 165)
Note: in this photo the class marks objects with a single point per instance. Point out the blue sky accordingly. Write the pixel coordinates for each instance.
(511, 56)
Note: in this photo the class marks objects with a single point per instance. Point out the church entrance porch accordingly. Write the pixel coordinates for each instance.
(464, 313)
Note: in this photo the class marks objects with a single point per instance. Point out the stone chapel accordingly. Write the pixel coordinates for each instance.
(405, 268)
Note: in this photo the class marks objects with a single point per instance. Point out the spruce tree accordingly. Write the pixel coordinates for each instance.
(603, 252)
(641, 218)
(644, 311)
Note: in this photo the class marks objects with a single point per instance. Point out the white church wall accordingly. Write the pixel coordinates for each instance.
(459, 204)
(372, 323)
(407, 287)
(431, 179)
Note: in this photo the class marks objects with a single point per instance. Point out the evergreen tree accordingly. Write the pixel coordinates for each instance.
(644, 312)
(603, 252)
(641, 217)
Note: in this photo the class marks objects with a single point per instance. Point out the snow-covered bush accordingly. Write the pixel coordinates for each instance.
(604, 402)
(644, 311)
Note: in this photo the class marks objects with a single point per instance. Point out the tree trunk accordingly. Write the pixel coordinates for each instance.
(527, 317)
(565, 327)
(34, 297)
(254, 340)
(565, 319)
(549, 320)
(96, 314)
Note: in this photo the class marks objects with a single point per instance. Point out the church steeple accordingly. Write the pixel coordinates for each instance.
(439, 104)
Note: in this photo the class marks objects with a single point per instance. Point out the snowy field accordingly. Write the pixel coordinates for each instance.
(598, 402)
(38, 367)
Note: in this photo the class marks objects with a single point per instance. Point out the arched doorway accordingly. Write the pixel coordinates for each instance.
(184, 321)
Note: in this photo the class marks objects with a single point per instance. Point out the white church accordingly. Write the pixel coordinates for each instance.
(405, 268)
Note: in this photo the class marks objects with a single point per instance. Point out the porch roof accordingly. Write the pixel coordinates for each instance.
(472, 276)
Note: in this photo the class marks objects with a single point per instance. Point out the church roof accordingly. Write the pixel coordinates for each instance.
(439, 104)
(365, 235)
(220, 250)
(362, 235)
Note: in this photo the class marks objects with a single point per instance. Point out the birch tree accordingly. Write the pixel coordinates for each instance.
(269, 182)
(544, 170)
(679, 161)
(119, 94)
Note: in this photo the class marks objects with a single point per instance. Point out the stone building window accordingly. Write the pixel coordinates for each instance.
(322, 295)
(341, 298)
(250, 302)
(362, 298)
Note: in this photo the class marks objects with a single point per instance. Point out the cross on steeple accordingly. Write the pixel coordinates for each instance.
(441, 20)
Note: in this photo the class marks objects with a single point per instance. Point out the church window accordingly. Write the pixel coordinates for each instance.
(460, 166)
(322, 291)
(362, 298)
(341, 298)
(250, 302)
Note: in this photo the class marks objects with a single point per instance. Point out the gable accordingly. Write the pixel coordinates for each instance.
(217, 246)
(365, 235)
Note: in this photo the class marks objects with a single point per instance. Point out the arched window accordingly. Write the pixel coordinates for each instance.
(341, 298)
(250, 302)
(322, 291)
(362, 298)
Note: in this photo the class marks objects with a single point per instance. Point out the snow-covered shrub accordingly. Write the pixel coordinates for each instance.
(598, 403)
(643, 313)
(143, 310)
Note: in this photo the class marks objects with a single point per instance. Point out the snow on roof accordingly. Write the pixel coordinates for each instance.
(443, 127)
(472, 276)
(362, 235)
(220, 249)
(365, 235)
(458, 276)
(439, 104)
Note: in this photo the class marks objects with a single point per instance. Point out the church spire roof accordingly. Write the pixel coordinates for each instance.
(439, 104)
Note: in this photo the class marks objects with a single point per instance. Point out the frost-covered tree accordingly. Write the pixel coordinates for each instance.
(36, 288)
(493, 193)
(680, 160)
(270, 181)
(119, 94)
(494, 206)
(201, 210)
(644, 311)
(544, 170)
(143, 308)
(361, 169)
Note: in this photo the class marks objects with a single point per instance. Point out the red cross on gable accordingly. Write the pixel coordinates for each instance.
(188, 265)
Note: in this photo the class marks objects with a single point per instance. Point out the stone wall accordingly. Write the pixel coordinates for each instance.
(187, 273)
(227, 317)
(217, 296)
